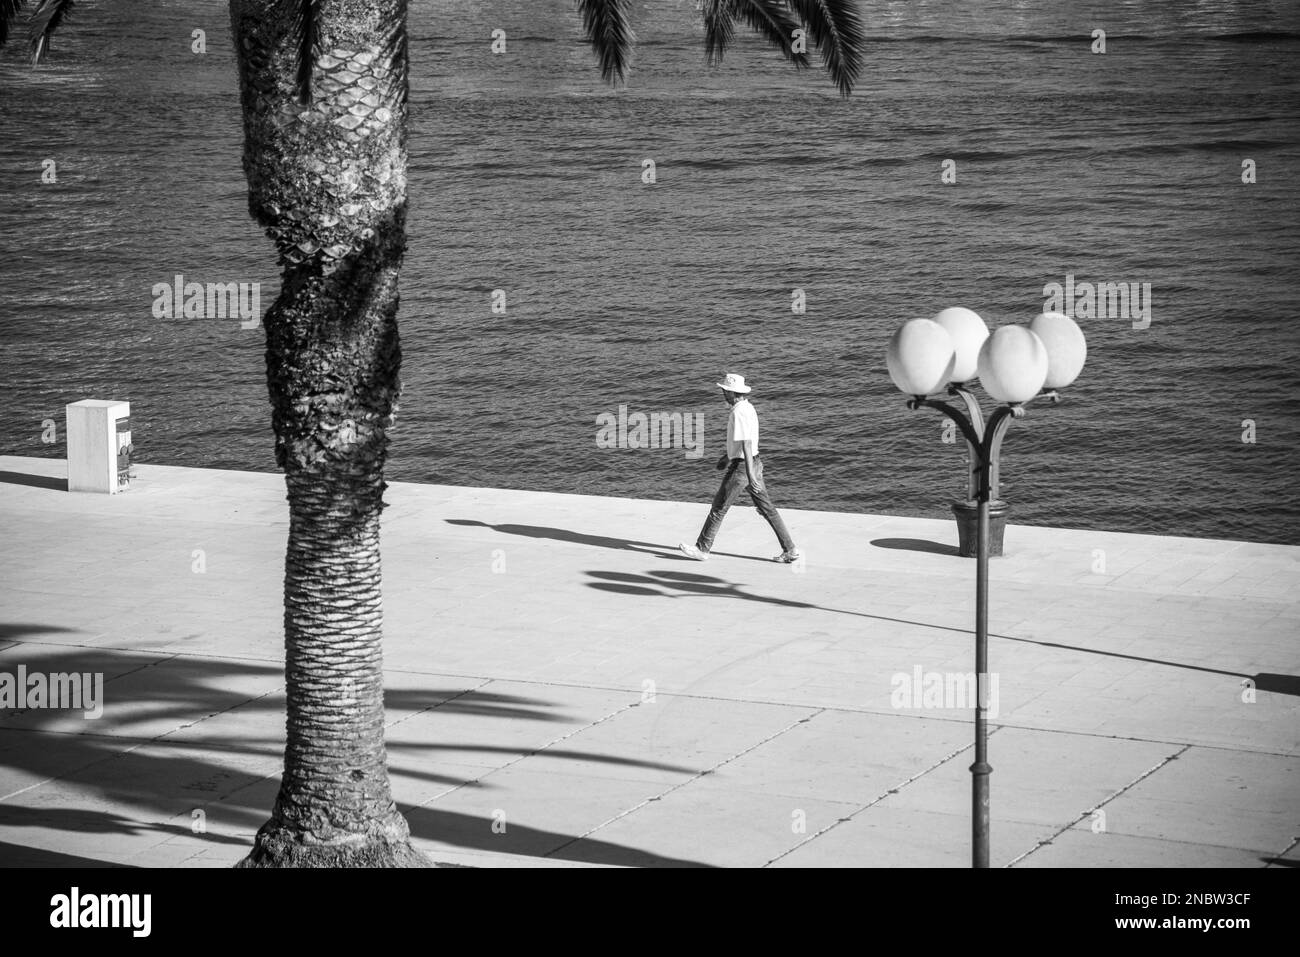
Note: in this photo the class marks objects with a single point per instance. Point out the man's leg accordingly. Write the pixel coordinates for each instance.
(766, 508)
(733, 483)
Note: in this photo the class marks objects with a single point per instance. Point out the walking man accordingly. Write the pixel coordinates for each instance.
(744, 470)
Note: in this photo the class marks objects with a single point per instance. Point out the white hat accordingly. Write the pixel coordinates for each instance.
(734, 383)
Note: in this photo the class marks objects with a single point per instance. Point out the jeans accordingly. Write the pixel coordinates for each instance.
(735, 481)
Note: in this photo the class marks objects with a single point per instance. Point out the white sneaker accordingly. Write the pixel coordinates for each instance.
(690, 551)
(786, 558)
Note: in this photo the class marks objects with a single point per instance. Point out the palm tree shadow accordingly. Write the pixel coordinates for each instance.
(429, 822)
(583, 538)
(475, 702)
(93, 822)
(17, 855)
(144, 784)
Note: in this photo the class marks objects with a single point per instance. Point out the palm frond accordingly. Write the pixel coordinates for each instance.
(773, 21)
(719, 27)
(46, 18)
(8, 14)
(395, 50)
(837, 31)
(304, 38)
(609, 29)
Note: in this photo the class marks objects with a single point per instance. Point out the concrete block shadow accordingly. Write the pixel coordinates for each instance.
(35, 481)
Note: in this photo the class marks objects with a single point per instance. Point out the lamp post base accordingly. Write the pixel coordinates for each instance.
(968, 522)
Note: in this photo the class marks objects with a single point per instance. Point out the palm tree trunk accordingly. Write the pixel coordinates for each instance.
(327, 180)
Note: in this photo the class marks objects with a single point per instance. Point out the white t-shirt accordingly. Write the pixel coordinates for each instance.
(742, 425)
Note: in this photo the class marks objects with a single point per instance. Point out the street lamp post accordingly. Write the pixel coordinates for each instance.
(985, 443)
(1013, 364)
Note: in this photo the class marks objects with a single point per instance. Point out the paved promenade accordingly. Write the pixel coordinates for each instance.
(565, 689)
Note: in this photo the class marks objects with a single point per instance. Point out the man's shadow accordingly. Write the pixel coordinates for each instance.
(582, 538)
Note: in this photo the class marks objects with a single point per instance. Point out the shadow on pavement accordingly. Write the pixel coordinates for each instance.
(35, 481)
(561, 535)
(15, 855)
(469, 831)
(1278, 684)
(91, 823)
(917, 545)
(687, 585)
(13, 631)
(154, 780)
(581, 538)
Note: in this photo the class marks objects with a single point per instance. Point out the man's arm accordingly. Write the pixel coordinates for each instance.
(750, 471)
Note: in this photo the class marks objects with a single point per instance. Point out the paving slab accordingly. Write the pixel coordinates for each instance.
(534, 812)
(1214, 796)
(898, 836)
(713, 826)
(853, 758)
(1083, 848)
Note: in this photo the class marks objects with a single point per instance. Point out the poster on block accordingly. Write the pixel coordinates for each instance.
(124, 452)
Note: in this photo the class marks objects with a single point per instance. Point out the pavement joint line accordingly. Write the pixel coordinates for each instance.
(535, 751)
(1141, 777)
(597, 687)
(214, 714)
(162, 658)
(83, 734)
(894, 712)
(1164, 840)
(159, 657)
(1026, 640)
(680, 694)
(876, 800)
(433, 707)
(279, 659)
(681, 784)
(949, 628)
(1129, 737)
(883, 712)
(277, 773)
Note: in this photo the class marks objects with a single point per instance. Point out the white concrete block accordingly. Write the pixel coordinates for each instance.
(99, 441)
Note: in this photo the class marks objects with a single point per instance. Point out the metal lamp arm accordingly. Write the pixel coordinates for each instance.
(968, 431)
